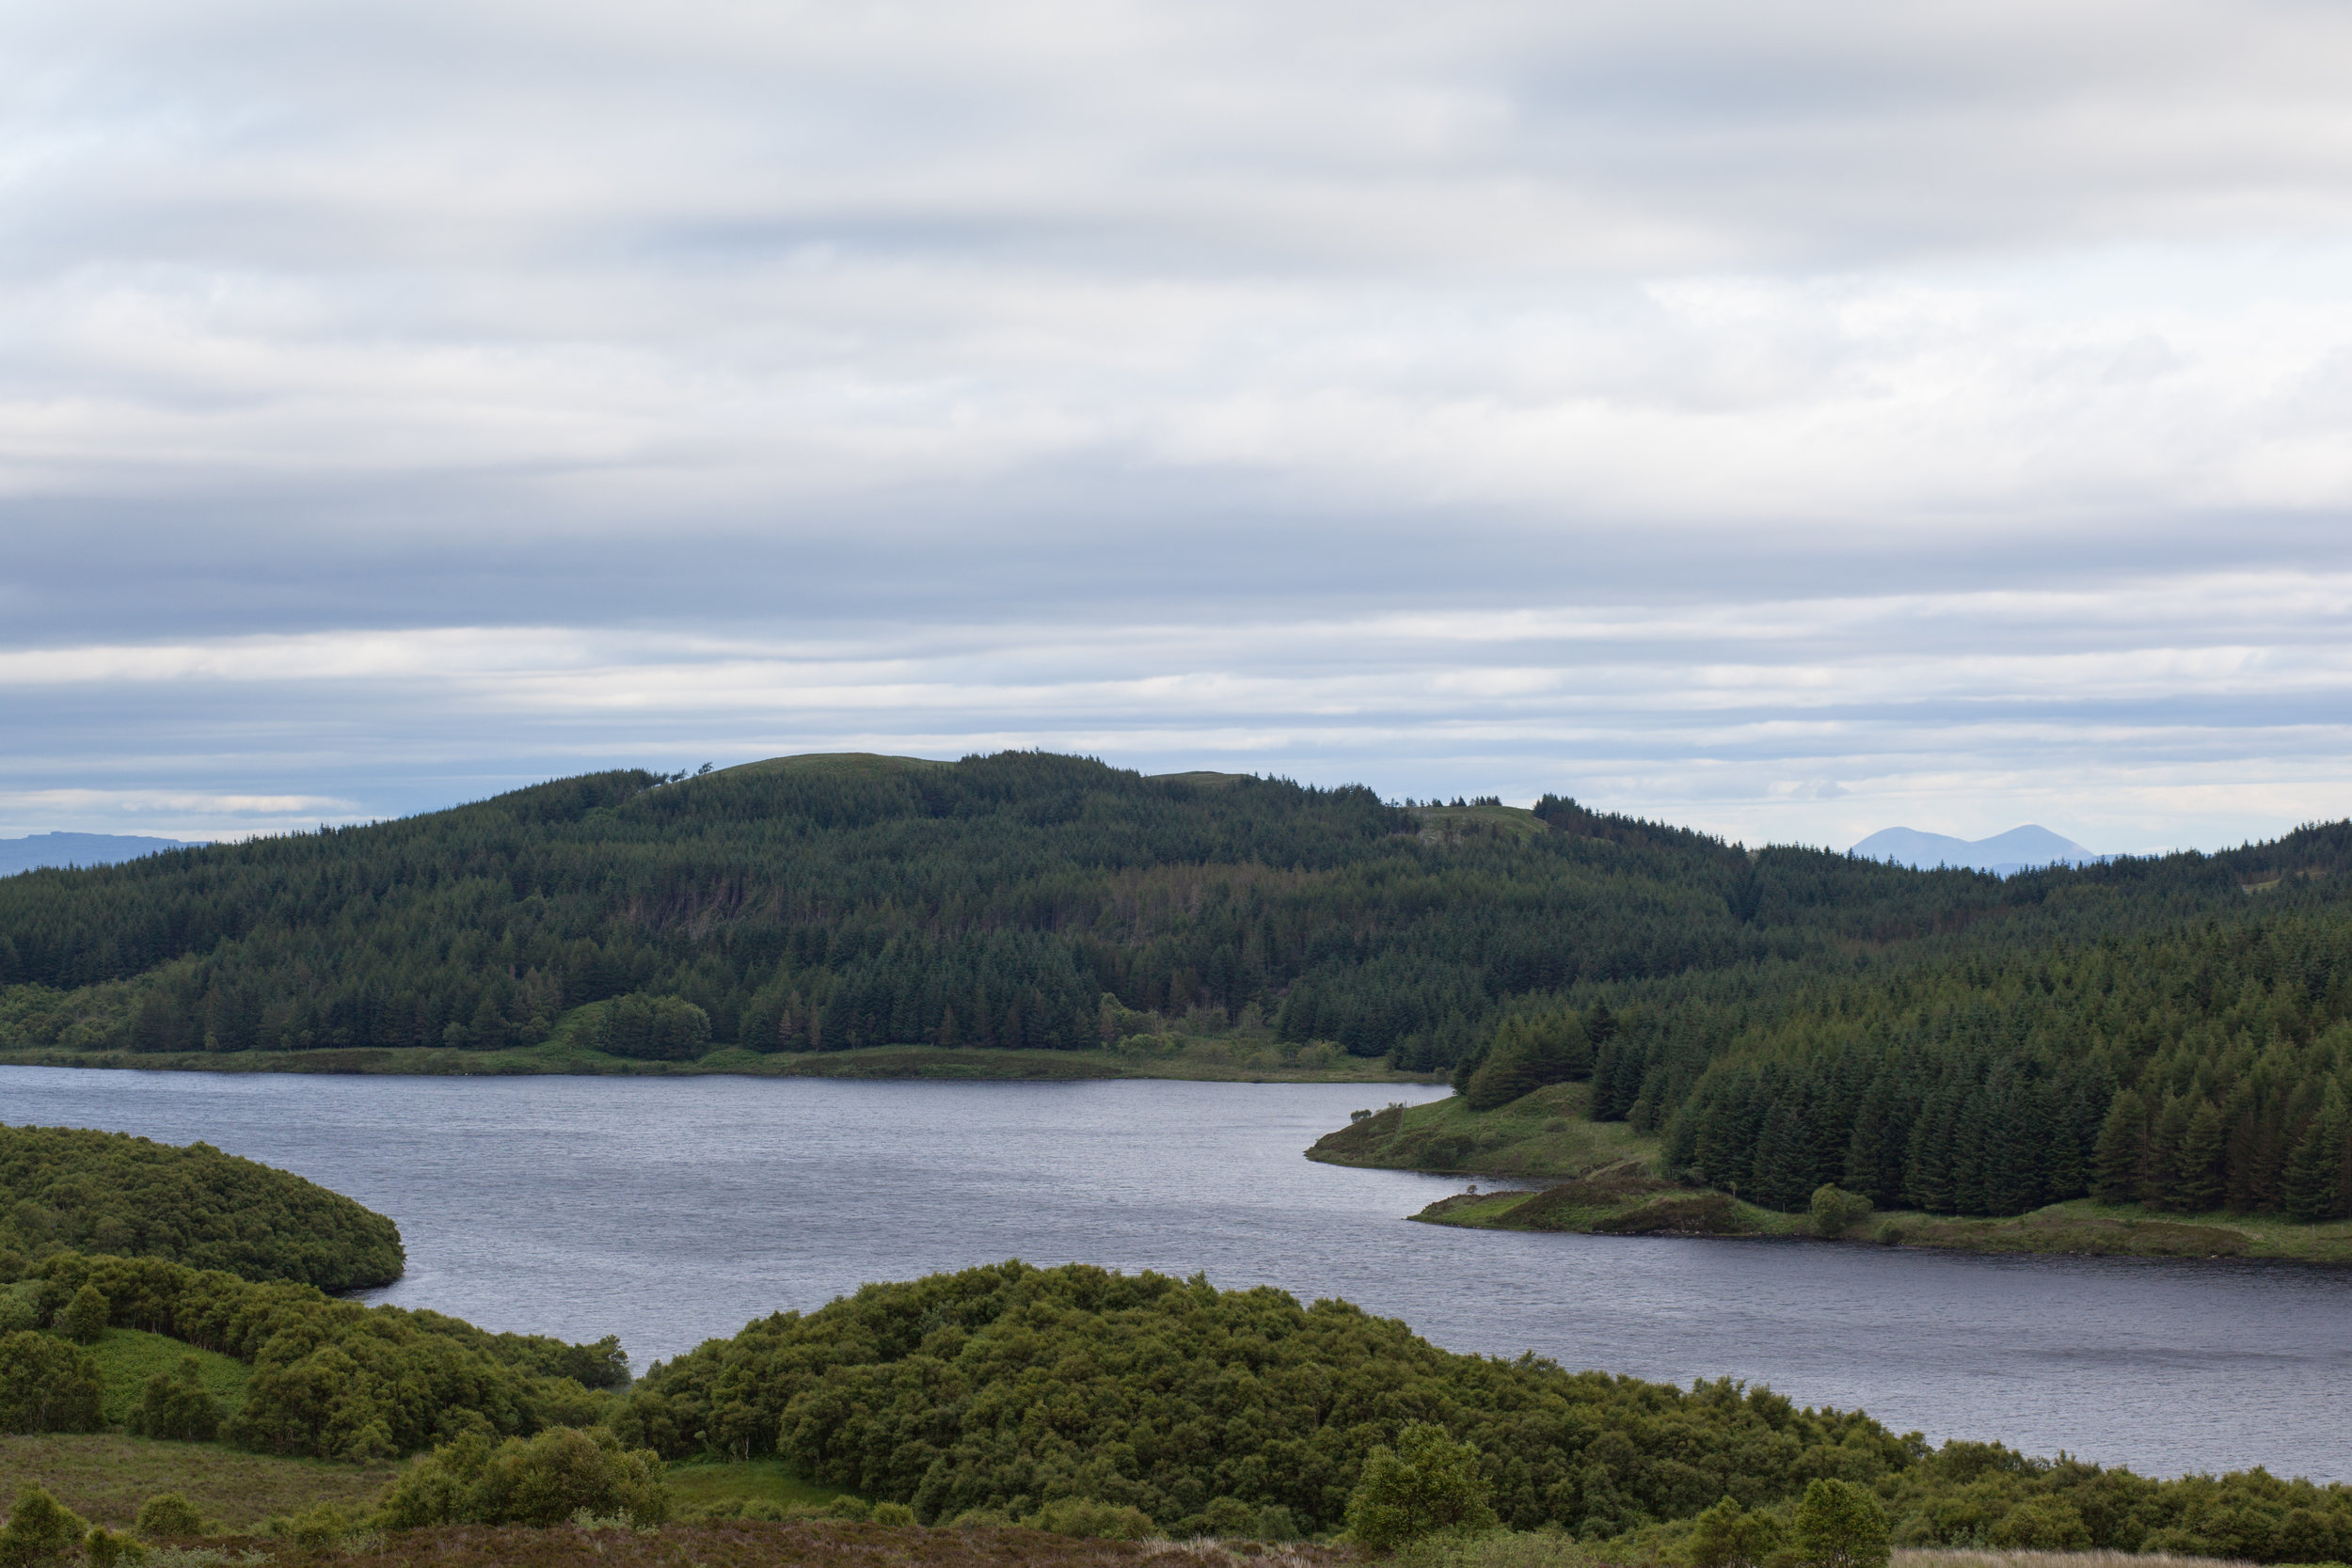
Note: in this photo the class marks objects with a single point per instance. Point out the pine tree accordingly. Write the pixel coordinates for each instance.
(2121, 1150)
(2314, 1183)
(2199, 1184)
(2162, 1174)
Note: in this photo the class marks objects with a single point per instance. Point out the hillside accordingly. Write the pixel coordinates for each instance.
(816, 904)
(2201, 1066)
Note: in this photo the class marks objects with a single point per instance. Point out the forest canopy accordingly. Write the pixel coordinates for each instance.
(1002, 1391)
(1022, 900)
(70, 1190)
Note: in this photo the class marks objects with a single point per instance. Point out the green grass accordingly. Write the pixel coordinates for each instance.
(1539, 1135)
(104, 1477)
(127, 1357)
(698, 1484)
(1454, 824)
(1624, 1201)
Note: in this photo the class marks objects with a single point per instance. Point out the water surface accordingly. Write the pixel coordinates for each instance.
(671, 1210)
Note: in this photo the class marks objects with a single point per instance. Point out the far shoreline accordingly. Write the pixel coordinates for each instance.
(1200, 1061)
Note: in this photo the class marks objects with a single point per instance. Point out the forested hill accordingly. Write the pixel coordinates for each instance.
(1021, 899)
(64, 1190)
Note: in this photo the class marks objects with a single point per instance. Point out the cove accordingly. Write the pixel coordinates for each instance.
(668, 1210)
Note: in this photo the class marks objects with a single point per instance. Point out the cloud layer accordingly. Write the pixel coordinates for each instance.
(1793, 419)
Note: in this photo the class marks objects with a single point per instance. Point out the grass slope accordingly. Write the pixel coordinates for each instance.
(1538, 1135)
(104, 1477)
(755, 1480)
(127, 1357)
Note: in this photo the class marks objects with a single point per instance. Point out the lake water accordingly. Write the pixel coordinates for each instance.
(671, 1210)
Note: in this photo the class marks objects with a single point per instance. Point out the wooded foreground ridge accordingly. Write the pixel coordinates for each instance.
(71, 1190)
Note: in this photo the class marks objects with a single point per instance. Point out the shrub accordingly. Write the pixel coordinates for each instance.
(897, 1515)
(1428, 1482)
(106, 1549)
(1729, 1536)
(177, 1406)
(855, 1509)
(41, 1530)
(2042, 1525)
(48, 1385)
(316, 1529)
(85, 1317)
(545, 1481)
(1836, 1210)
(167, 1516)
(654, 1028)
(1839, 1525)
(1085, 1517)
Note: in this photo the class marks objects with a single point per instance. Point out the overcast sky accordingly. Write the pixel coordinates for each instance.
(1790, 419)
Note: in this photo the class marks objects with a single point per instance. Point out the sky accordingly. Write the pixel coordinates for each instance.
(1788, 421)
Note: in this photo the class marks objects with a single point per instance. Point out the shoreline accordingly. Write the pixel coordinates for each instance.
(1569, 1175)
(1616, 1203)
(1199, 1062)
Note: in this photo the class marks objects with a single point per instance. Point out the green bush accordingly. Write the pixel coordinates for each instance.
(1729, 1536)
(654, 1028)
(897, 1515)
(1091, 1518)
(103, 1548)
(1426, 1483)
(85, 1317)
(41, 1530)
(545, 1481)
(2042, 1525)
(1836, 1210)
(177, 1405)
(47, 1385)
(168, 1517)
(1838, 1524)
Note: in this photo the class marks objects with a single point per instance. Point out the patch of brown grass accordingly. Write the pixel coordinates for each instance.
(812, 1544)
(1938, 1557)
(104, 1477)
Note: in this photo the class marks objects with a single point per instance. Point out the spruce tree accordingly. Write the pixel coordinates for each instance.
(2199, 1185)
(2159, 1180)
(2121, 1150)
(2314, 1188)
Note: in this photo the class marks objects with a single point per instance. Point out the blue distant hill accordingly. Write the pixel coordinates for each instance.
(2018, 850)
(39, 850)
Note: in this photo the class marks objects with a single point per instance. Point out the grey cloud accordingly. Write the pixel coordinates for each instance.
(1011, 336)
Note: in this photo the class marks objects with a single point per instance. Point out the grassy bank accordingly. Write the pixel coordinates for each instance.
(127, 1357)
(1596, 1179)
(1233, 1059)
(1625, 1200)
(1543, 1135)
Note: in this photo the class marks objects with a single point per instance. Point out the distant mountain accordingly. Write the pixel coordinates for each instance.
(39, 850)
(2018, 850)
